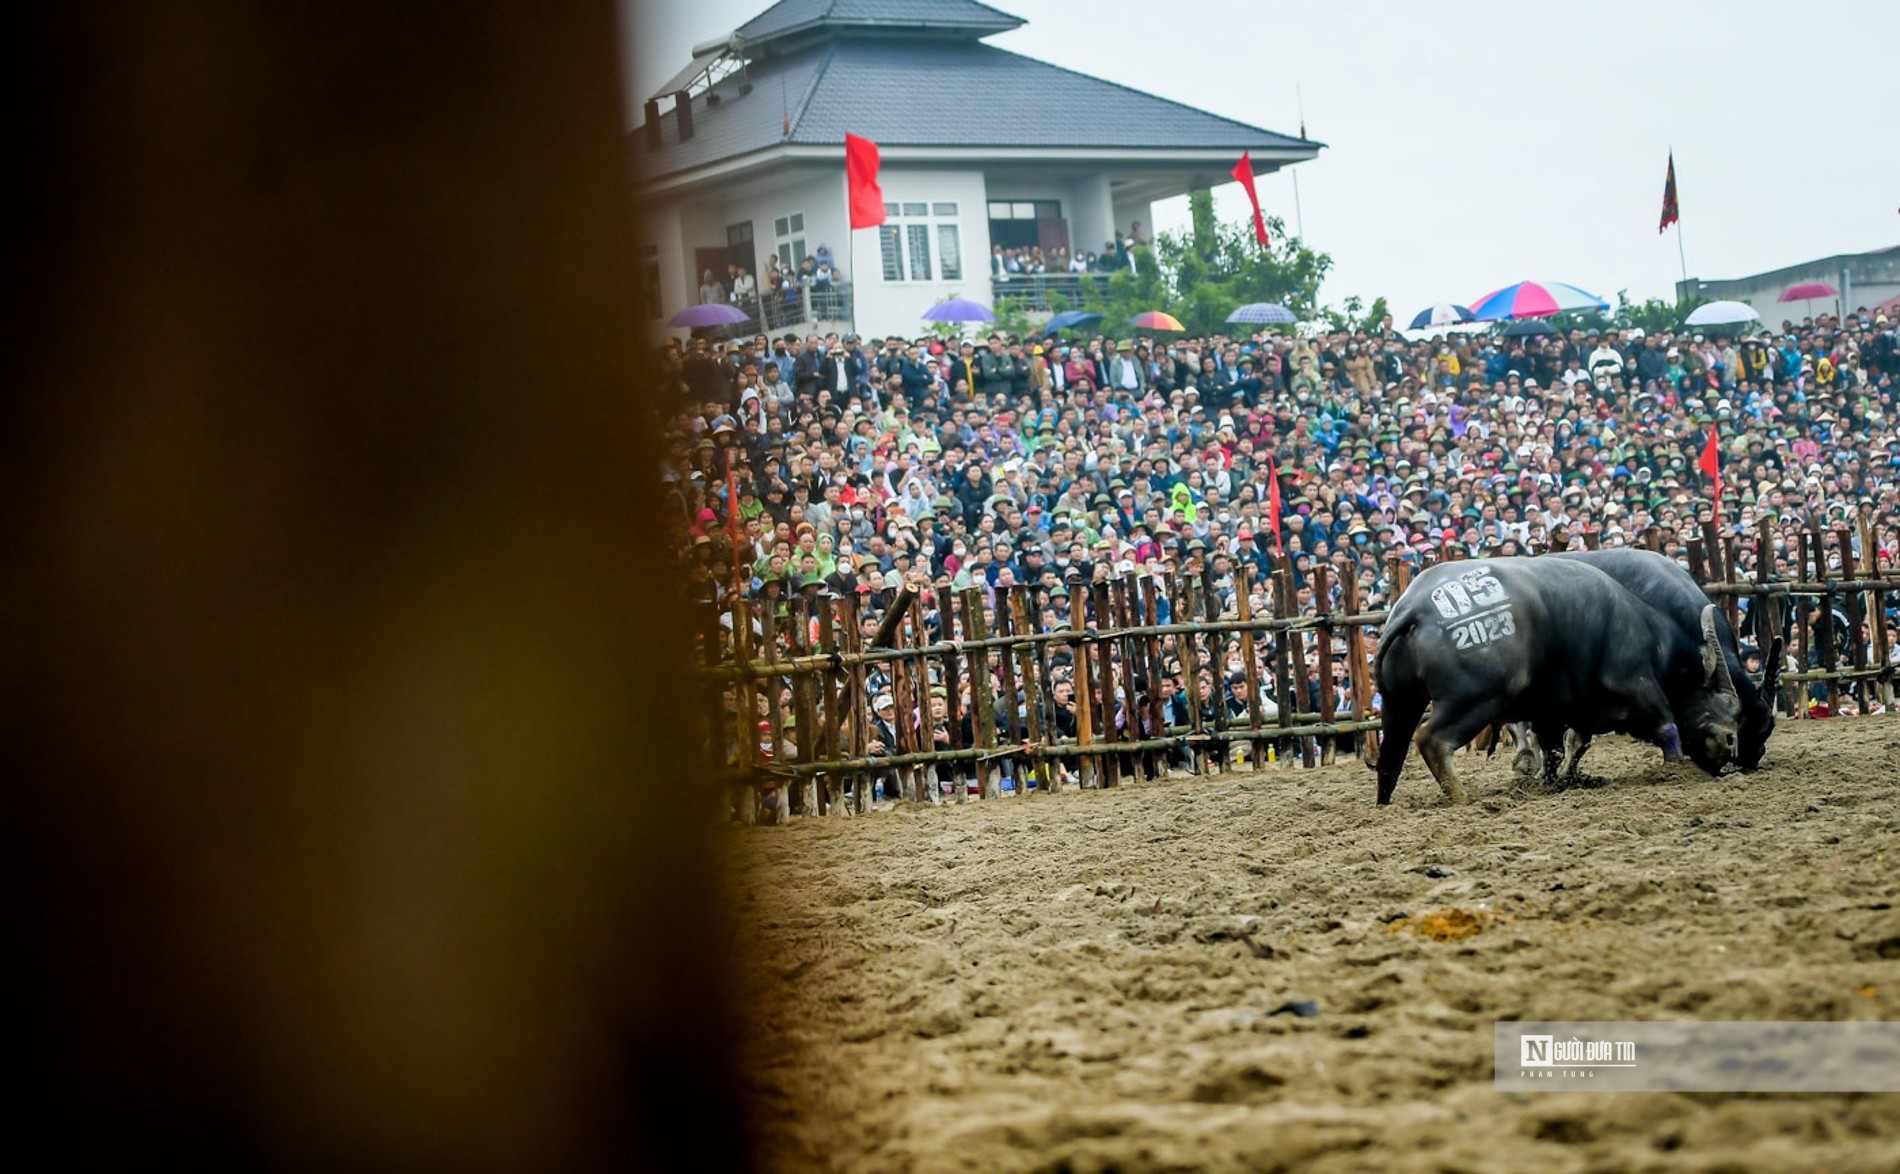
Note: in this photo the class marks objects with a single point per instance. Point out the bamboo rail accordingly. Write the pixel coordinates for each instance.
(786, 683)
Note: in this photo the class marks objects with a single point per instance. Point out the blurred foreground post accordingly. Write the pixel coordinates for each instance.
(354, 823)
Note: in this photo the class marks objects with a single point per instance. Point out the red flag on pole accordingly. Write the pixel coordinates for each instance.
(860, 169)
(1243, 171)
(1671, 213)
(1273, 499)
(1710, 462)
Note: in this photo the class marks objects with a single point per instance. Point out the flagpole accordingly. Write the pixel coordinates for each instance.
(1299, 219)
(1680, 254)
(851, 245)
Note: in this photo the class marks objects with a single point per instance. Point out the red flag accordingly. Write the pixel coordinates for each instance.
(1273, 499)
(1710, 462)
(1243, 171)
(1671, 213)
(860, 169)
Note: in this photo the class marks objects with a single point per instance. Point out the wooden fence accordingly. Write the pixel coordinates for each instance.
(993, 695)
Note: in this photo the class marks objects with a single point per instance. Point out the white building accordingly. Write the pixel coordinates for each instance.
(742, 153)
(1865, 280)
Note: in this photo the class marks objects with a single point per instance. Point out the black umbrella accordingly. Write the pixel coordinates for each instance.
(1526, 327)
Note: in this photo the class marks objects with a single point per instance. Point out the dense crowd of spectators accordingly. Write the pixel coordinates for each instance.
(861, 465)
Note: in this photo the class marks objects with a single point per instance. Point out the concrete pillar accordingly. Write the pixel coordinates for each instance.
(1127, 214)
(1091, 214)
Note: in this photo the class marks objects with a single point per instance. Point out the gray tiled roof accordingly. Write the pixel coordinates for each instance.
(900, 92)
(788, 15)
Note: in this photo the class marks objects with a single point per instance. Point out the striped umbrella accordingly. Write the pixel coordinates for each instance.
(1443, 314)
(1156, 320)
(1534, 299)
(1264, 314)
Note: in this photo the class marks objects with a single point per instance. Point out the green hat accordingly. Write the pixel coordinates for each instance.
(1197, 544)
(805, 581)
(1058, 589)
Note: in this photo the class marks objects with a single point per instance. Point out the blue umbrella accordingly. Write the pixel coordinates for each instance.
(1264, 314)
(959, 310)
(1443, 314)
(709, 314)
(1071, 318)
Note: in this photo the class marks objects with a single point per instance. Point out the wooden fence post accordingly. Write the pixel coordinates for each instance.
(1086, 768)
(804, 711)
(982, 696)
(1035, 689)
(855, 701)
(1360, 670)
(1128, 648)
(1803, 630)
(1149, 599)
(1217, 658)
(1323, 652)
(1279, 586)
(1856, 649)
(1877, 602)
(926, 774)
(774, 708)
(1766, 608)
(745, 714)
(831, 691)
(1180, 600)
(1243, 610)
(1286, 609)
(1830, 630)
(949, 632)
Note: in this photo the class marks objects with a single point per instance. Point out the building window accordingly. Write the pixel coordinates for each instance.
(890, 247)
(1022, 224)
(911, 232)
(949, 252)
(788, 234)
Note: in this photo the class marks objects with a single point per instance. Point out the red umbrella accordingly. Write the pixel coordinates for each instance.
(1890, 306)
(1807, 290)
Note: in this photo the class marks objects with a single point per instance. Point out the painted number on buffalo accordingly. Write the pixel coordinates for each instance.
(1484, 629)
(1475, 607)
(1470, 592)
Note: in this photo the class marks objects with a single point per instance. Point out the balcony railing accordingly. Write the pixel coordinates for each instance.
(1032, 291)
(796, 306)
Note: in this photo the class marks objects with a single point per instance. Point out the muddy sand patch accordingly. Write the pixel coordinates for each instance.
(1090, 980)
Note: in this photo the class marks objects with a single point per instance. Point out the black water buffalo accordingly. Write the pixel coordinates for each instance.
(1554, 643)
(1663, 584)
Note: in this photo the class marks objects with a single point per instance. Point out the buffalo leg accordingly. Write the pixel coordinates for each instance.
(1575, 746)
(1445, 736)
(1395, 738)
(1524, 762)
(1550, 740)
(1650, 718)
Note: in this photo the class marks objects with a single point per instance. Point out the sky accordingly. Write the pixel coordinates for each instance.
(1476, 145)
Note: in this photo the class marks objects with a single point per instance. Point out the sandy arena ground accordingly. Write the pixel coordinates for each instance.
(1061, 983)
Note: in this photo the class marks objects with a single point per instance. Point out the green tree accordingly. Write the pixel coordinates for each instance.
(1012, 317)
(1654, 314)
(1201, 276)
